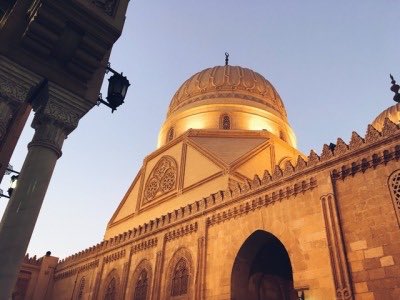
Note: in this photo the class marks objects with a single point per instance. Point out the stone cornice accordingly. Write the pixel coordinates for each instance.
(282, 184)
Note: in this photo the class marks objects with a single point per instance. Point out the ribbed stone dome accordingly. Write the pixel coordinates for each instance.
(393, 113)
(228, 82)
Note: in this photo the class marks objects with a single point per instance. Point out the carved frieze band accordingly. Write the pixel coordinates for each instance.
(88, 266)
(182, 231)
(144, 245)
(362, 165)
(265, 200)
(336, 250)
(11, 91)
(114, 256)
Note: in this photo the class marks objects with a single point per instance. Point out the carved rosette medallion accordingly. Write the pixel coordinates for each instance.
(162, 179)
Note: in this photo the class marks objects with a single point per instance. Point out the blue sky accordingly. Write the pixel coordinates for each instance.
(329, 60)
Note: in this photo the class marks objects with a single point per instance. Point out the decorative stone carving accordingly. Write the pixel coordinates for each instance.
(326, 153)
(48, 135)
(301, 164)
(229, 82)
(288, 169)
(267, 178)
(356, 141)
(341, 147)
(278, 174)
(389, 127)
(372, 134)
(12, 91)
(162, 179)
(313, 159)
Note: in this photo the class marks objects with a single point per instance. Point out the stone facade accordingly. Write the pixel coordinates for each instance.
(324, 225)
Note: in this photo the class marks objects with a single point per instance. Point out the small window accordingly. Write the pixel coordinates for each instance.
(394, 187)
(180, 279)
(170, 135)
(141, 286)
(225, 122)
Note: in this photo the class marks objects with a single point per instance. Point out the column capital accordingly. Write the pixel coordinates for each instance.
(57, 114)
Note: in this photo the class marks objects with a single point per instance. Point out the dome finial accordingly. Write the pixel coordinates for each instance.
(226, 58)
(395, 89)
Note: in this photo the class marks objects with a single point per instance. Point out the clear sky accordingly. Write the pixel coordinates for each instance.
(329, 60)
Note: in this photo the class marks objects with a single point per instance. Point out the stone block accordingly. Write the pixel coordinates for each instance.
(373, 252)
(387, 261)
(360, 276)
(376, 273)
(357, 266)
(365, 296)
(360, 287)
(359, 245)
(355, 255)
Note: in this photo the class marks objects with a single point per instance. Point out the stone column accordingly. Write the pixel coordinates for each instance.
(53, 121)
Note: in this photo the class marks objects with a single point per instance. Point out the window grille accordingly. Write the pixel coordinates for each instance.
(111, 290)
(180, 279)
(141, 286)
(225, 122)
(394, 187)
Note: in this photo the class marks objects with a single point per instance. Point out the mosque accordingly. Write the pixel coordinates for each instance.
(228, 208)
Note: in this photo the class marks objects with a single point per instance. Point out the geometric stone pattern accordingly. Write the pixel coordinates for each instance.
(162, 179)
(394, 186)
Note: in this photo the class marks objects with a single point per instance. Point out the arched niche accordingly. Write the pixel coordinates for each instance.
(262, 270)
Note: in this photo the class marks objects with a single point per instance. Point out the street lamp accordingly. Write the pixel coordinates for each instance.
(117, 89)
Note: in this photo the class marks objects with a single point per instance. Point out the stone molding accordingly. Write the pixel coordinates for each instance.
(114, 256)
(147, 244)
(182, 231)
(370, 161)
(68, 273)
(337, 254)
(262, 201)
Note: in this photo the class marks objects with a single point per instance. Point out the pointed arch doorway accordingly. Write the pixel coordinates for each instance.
(262, 270)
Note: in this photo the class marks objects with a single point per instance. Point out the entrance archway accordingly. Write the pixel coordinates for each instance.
(262, 270)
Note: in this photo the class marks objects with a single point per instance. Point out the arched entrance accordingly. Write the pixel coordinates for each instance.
(262, 270)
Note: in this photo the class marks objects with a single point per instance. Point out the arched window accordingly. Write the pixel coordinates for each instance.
(81, 288)
(111, 290)
(394, 187)
(225, 122)
(180, 279)
(141, 286)
(170, 135)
